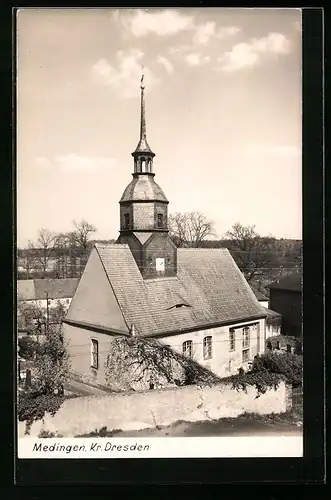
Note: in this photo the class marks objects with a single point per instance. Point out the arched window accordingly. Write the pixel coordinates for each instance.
(143, 165)
(188, 348)
(126, 221)
(207, 348)
(159, 220)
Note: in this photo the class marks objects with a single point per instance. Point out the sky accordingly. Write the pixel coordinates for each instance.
(223, 109)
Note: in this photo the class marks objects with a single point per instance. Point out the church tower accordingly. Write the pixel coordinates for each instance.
(144, 212)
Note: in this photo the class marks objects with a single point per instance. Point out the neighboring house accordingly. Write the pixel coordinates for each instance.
(273, 320)
(41, 291)
(286, 299)
(264, 301)
(273, 323)
(194, 300)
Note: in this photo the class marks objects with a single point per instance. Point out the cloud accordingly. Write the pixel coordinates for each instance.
(274, 42)
(161, 22)
(196, 59)
(204, 32)
(180, 49)
(248, 54)
(73, 162)
(165, 63)
(124, 77)
(227, 31)
(285, 151)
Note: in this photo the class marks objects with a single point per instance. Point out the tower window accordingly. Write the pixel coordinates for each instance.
(159, 220)
(143, 165)
(126, 221)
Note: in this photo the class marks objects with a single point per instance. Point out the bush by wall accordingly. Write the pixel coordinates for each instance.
(268, 371)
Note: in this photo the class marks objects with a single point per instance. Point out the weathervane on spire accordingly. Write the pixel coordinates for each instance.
(142, 86)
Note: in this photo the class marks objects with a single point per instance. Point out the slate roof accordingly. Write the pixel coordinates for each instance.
(209, 286)
(37, 289)
(143, 187)
(259, 295)
(292, 282)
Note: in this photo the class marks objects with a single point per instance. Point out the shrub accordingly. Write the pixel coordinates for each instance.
(50, 371)
(34, 405)
(268, 370)
(28, 347)
(48, 434)
(288, 365)
(102, 432)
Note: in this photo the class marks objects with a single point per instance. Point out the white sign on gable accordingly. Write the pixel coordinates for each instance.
(159, 265)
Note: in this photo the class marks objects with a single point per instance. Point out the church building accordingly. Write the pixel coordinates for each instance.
(195, 300)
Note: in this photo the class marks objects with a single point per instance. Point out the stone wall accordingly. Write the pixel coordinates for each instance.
(139, 410)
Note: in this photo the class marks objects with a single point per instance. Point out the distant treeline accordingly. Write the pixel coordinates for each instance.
(280, 257)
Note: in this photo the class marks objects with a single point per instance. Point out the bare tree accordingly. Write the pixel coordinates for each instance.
(251, 251)
(46, 243)
(78, 241)
(189, 229)
(27, 261)
(80, 237)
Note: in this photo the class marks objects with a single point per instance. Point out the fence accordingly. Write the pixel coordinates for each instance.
(297, 397)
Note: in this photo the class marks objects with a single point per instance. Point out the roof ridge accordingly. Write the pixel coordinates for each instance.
(205, 249)
(111, 245)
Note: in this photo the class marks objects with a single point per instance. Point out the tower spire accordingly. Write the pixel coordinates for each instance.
(143, 146)
(142, 107)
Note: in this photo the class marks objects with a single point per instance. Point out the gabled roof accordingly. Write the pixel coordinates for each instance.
(209, 285)
(259, 295)
(39, 289)
(292, 282)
